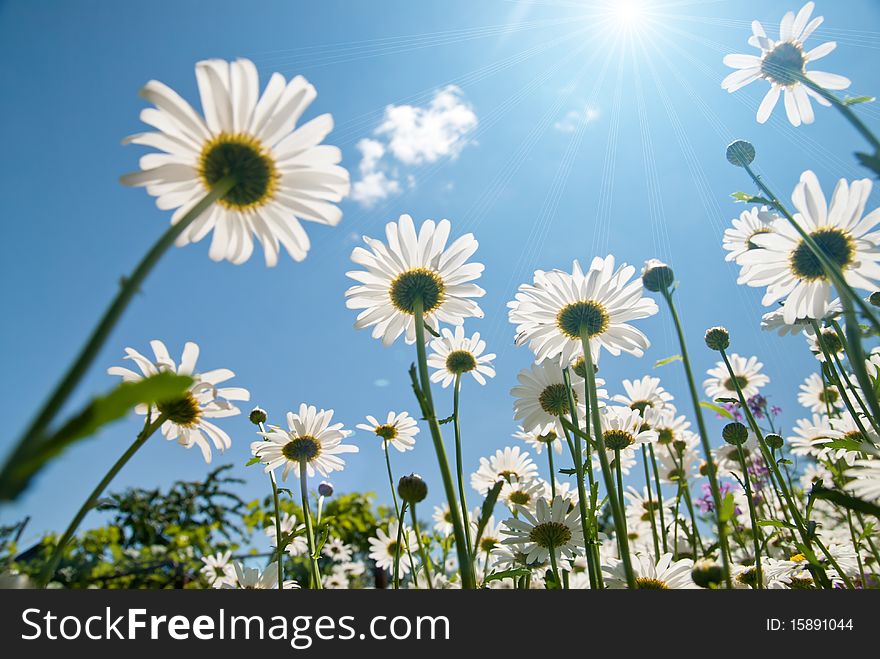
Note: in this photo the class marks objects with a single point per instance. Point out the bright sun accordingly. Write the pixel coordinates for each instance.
(626, 13)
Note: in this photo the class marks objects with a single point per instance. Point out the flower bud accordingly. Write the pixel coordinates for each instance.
(875, 299)
(774, 441)
(735, 433)
(325, 489)
(707, 573)
(740, 153)
(717, 338)
(412, 488)
(258, 416)
(657, 276)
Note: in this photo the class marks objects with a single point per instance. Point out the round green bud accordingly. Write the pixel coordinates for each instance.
(412, 488)
(735, 433)
(257, 416)
(875, 299)
(740, 153)
(717, 338)
(657, 276)
(774, 441)
(706, 573)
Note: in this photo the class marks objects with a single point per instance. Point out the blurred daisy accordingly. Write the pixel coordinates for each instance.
(748, 377)
(251, 578)
(412, 267)
(551, 313)
(336, 580)
(774, 321)
(186, 417)
(398, 430)
(644, 393)
(845, 427)
(865, 479)
(443, 520)
(627, 461)
(787, 266)
(384, 547)
(282, 174)
(727, 458)
(664, 574)
(541, 397)
(783, 64)
(506, 465)
(751, 223)
(298, 544)
(640, 507)
(818, 397)
(218, 570)
(337, 551)
(553, 527)
(809, 436)
(830, 342)
(310, 439)
(539, 440)
(681, 460)
(491, 538)
(455, 354)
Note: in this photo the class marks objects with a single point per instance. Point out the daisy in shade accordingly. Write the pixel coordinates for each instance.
(783, 64)
(818, 397)
(218, 570)
(384, 547)
(539, 440)
(644, 393)
(553, 527)
(865, 479)
(748, 375)
(681, 460)
(830, 343)
(670, 427)
(398, 430)
(414, 267)
(491, 538)
(663, 574)
(551, 312)
(443, 520)
(810, 435)
(541, 397)
(454, 355)
(845, 427)
(787, 266)
(623, 428)
(187, 417)
(751, 223)
(506, 465)
(310, 439)
(298, 545)
(282, 174)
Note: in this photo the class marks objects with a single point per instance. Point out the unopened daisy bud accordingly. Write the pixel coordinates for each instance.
(875, 298)
(774, 441)
(740, 153)
(325, 489)
(412, 488)
(657, 276)
(717, 338)
(707, 573)
(258, 416)
(735, 433)
(580, 368)
(680, 446)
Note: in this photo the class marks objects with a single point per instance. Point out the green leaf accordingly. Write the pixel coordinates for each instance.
(508, 574)
(29, 459)
(728, 508)
(846, 501)
(858, 99)
(870, 161)
(747, 198)
(448, 419)
(668, 360)
(731, 401)
(845, 444)
(486, 511)
(254, 460)
(717, 409)
(777, 523)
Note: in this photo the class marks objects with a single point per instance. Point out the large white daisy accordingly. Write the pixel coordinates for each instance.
(623, 428)
(865, 479)
(282, 174)
(413, 267)
(783, 63)
(664, 574)
(541, 397)
(187, 417)
(554, 526)
(456, 354)
(818, 397)
(398, 430)
(310, 439)
(551, 312)
(786, 265)
(747, 372)
(755, 222)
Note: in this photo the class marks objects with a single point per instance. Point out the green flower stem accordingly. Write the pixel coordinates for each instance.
(845, 110)
(650, 502)
(553, 565)
(697, 541)
(659, 497)
(456, 423)
(52, 564)
(855, 544)
(806, 536)
(616, 512)
(130, 286)
(552, 470)
(397, 542)
(857, 358)
(849, 385)
(310, 534)
(397, 506)
(711, 468)
(753, 516)
(277, 506)
(588, 525)
(426, 561)
(461, 547)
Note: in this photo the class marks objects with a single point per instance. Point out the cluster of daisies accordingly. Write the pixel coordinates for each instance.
(752, 512)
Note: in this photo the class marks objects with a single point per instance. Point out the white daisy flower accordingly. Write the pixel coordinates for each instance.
(644, 393)
(783, 63)
(550, 313)
(815, 473)
(554, 526)
(539, 440)
(640, 506)
(787, 266)
(337, 551)
(455, 354)
(541, 397)
(748, 375)
(845, 427)
(218, 570)
(830, 342)
(186, 417)
(727, 459)
(809, 436)
(443, 520)
(298, 545)
(398, 430)
(492, 536)
(627, 461)
(525, 493)
(751, 223)
(818, 397)
(310, 438)
(623, 428)
(251, 578)
(669, 426)
(664, 574)
(384, 547)
(282, 174)
(412, 267)
(336, 580)
(506, 465)
(774, 321)
(681, 460)
(865, 479)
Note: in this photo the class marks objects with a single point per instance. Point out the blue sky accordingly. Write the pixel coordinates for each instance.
(536, 183)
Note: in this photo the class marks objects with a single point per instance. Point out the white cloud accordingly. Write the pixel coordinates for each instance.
(412, 135)
(574, 118)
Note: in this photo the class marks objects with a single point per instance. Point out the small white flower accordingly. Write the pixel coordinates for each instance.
(818, 397)
(747, 373)
(218, 570)
(541, 397)
(455, 355)
(298, 545)
(398, 430)
(384, 547)
(506, 465)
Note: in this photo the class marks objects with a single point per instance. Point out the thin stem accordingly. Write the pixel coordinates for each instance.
(461, 547)
(310, 534)
(552, 470)
(422, 551)
(385, 445)
(52, 565)
(456, 422)
(130, 286)
(553, 565)
(659, 497)
(650, 502)
(711, 468)
(397, 542)
(753, 516)
(277, 530)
